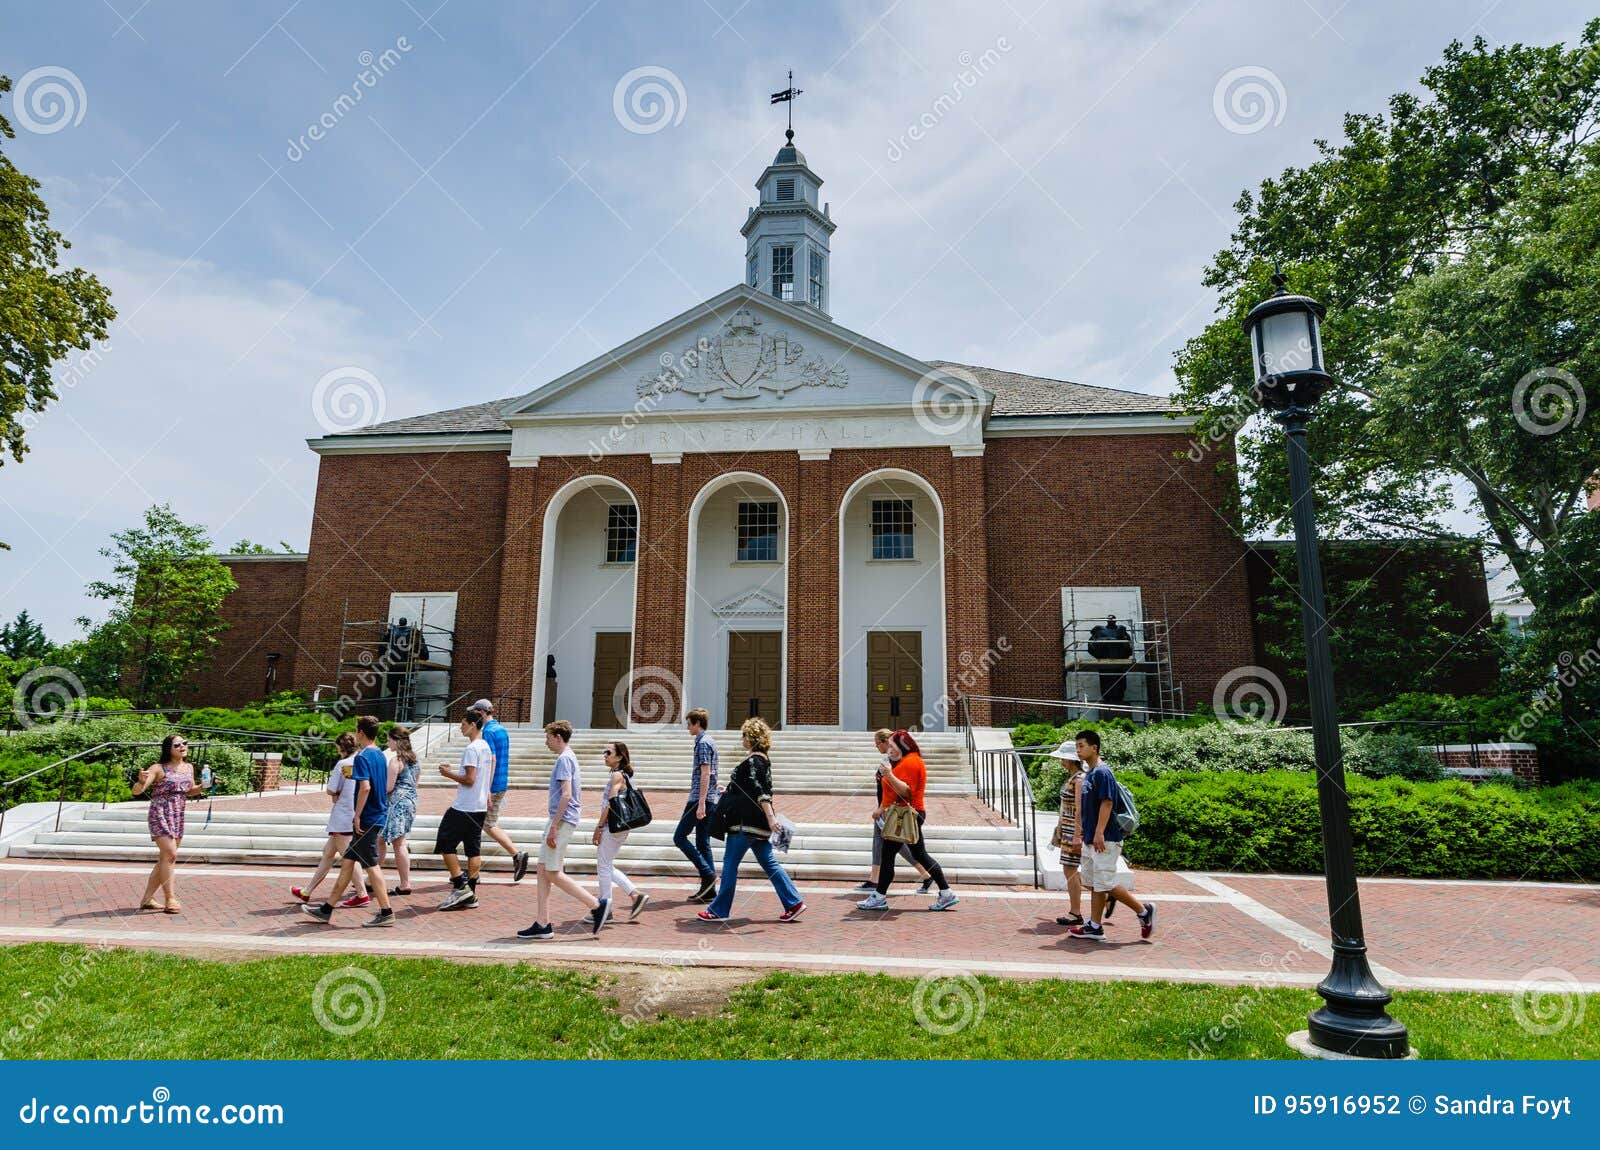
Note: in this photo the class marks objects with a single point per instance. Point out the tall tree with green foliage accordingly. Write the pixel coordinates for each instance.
(22, 638)
(1453, 241)
(166, 594)
(45, 310)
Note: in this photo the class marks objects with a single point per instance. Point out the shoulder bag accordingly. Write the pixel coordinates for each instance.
(627, 810)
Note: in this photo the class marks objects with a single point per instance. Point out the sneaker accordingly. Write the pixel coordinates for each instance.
(793, 912)
(1088, 933)
(873, 901)
(925, 886)
(323, 913)
(302, 895)
(1070, 920)
(382, 918)
(639, 901)
(947, 899)
(538, 932)
(356, 900)
(519, 866)
(707, 891)
(707, 916)
(599, 916)
(1147, 920)
(457, 895)
(865, 886)
(468, 902)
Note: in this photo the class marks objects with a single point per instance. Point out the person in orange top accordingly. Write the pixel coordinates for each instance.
(907, 782)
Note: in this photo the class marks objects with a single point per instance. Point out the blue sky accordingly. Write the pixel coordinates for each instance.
(483, 219)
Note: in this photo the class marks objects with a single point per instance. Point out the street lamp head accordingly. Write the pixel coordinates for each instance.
(1285, 333)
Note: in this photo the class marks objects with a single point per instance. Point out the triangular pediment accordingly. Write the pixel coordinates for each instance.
(750, 602)
(741, 353)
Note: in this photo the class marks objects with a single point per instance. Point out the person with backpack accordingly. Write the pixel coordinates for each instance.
(1107, 816)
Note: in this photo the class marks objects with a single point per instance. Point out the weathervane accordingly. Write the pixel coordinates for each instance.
(787, 97)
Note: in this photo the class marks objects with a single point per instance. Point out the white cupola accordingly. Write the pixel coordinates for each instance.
(786, 234)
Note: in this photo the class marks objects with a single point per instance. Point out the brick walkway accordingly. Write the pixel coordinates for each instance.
(1214, 928)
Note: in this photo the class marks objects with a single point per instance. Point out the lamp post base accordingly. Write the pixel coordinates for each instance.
(1300, 1042)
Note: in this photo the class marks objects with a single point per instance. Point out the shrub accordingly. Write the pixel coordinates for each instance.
(1451, 829)
(107, 772)
(1566, 750)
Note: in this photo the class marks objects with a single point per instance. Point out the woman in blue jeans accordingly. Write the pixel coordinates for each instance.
(750, 824)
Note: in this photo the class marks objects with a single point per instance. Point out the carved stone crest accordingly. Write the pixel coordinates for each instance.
(740, 362)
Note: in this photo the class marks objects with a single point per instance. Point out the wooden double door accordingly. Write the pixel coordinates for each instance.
(894, 680)
(613, 661)
(755, 677)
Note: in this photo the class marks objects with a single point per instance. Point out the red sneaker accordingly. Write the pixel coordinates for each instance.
(707, 916)
(299, 894)
(357, 900)
(792, 913)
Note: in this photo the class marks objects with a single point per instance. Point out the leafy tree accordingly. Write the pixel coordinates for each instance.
(1453, 241)
(166, 595)
(22, 638)
(249, 547)
(45, 310)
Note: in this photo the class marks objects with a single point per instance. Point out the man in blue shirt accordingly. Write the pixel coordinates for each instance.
(370, 775)
(499, 740)
(1102, 845)
(702, 797)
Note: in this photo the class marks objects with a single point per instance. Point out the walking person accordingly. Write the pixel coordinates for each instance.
(608, 842)
(907, 782)
(1102, 845)
(881, 738)
(751, 823)
(564, 811)
(341, 791)
(170, 781)
(462, 825)
(371, 775)
(499, 740)
(1068, 835)
(702, 797)
(402, 806)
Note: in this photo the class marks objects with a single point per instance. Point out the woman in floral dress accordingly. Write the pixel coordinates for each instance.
(171, 785)
(403, 770)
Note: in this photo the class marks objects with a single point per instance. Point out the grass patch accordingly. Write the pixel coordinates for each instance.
(74, 1002)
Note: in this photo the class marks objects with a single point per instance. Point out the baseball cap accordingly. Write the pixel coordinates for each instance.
(483, 705)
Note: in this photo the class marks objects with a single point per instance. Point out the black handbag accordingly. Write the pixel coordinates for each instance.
(720, 817)
(627, 811)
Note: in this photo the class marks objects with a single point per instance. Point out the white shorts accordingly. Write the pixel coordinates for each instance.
(553, 858)
(1099, 868)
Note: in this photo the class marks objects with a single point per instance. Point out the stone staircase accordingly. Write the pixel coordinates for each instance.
(803, 762)
(236, 834)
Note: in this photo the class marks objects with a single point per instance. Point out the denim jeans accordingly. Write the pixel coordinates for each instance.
(699, 850)
(739, 844)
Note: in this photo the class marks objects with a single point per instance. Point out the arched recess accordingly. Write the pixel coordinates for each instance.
(887, 595)
(736, 610)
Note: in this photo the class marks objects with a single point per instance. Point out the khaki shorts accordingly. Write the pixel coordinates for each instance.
(491, 818)
(552, 859)
(1100, 867)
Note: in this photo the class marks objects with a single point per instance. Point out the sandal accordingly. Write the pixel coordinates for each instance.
(173, 908)
(394, 890)
(1070, 920)
(150, 904)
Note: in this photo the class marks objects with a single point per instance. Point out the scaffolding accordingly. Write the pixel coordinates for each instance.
(1092, 665)
(407, 663)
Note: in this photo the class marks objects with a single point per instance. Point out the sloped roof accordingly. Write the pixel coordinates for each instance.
(1018, 394)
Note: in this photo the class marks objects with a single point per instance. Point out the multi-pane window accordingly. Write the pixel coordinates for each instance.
(783, 272)
(816, 280)
(622, 533)
(786, 188)
(758, 532)
(754, 264)
(891, 529)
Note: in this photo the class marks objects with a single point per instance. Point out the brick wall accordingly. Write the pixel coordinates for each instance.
(1113, 510)
(263, 617)
(1521, 759)
(405, 523)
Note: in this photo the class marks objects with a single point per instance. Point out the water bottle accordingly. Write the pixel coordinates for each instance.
(205, 778)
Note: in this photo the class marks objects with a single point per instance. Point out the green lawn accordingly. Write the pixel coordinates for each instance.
(69, 1002)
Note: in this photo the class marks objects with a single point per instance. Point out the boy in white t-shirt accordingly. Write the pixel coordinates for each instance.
(462, 825)
(341, 790)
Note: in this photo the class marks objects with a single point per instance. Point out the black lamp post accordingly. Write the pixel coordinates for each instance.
(1286, 340)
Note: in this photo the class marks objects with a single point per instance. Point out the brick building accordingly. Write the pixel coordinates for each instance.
(755, 509)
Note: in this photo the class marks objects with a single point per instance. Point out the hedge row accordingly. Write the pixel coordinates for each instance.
(1231, 821)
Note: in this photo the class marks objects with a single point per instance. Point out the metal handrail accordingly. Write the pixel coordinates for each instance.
(1003, 784)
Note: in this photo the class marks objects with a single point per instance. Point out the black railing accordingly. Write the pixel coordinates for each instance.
(1003, 784)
